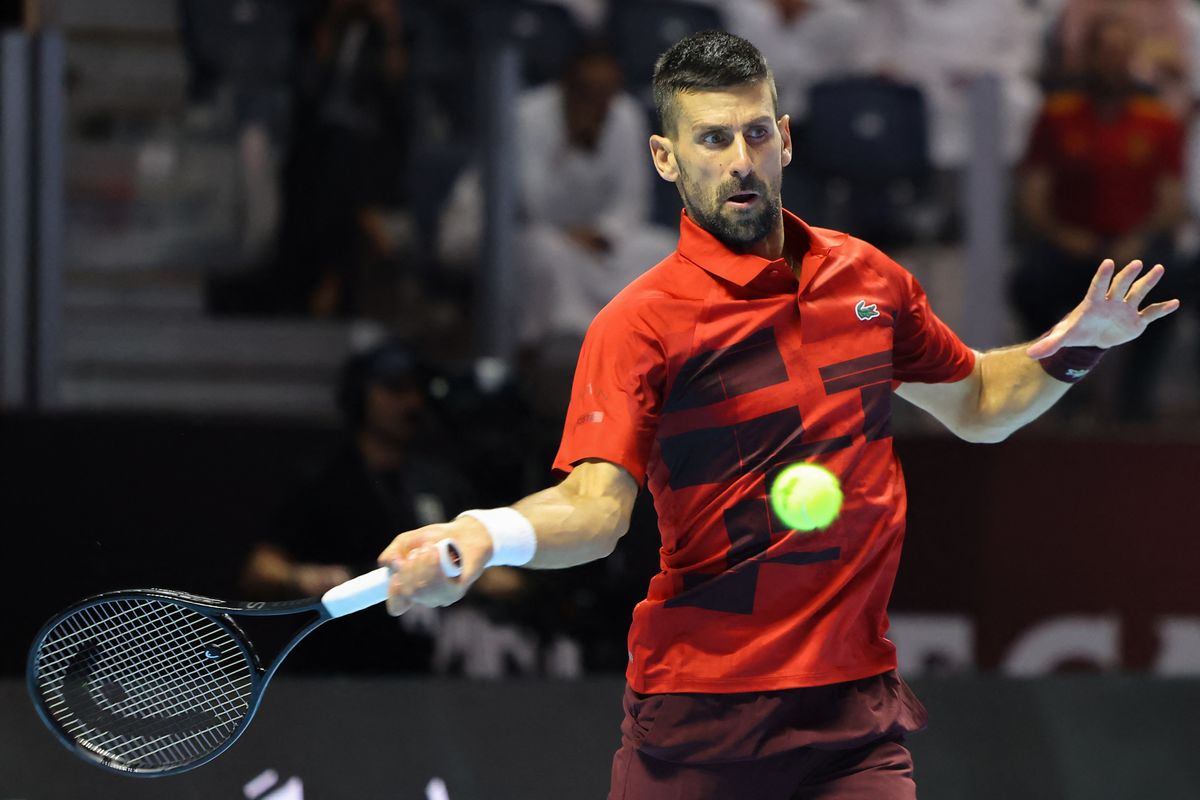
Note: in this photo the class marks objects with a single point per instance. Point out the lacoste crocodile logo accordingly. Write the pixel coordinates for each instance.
(866, 312)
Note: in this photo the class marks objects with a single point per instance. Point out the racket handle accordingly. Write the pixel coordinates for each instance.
(372, 588)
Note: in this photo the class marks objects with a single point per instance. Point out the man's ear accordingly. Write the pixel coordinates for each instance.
(785, 133)
(663, 154)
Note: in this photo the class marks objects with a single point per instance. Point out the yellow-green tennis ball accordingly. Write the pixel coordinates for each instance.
(806, 497)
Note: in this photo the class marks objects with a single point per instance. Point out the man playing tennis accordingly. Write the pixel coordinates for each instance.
(758, 665)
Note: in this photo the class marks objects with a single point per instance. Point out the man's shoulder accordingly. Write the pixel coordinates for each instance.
(670, 281)
(625, 104)
(539, 100)
(1150, 109)
(863, 265)
(673, 277)
(848, 250)
(1065, 103)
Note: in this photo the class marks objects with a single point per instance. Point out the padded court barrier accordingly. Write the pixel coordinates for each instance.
(1051, 739)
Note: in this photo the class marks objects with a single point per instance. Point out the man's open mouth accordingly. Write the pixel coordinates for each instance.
(743, 198)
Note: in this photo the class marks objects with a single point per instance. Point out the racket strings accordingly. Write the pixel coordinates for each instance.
(136, 720)
(173, 715)
(163, 700)
(144, 684)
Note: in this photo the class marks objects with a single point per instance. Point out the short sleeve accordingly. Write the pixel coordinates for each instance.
(615, 397)
(924, 349)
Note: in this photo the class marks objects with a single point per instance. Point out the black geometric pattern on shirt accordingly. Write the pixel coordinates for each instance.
(861, 371)
(858, 364)
(718, 455)
(750, 525)
(871, 375)
(717, 375)
(766, 444)
(877, 411)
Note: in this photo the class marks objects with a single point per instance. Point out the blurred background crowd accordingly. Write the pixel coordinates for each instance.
(322, 159)
(277, 212)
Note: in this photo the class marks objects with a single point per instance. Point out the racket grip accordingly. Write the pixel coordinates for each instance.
(371, 588)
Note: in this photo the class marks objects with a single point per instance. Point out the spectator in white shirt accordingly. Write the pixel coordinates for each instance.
(584, 195)
(942, 46)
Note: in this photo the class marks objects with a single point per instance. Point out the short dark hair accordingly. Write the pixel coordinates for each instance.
(706, 61)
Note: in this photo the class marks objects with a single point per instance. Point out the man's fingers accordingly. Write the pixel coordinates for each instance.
(1121, 283)
(1142, 286)
(1159, 310)
(397, 604)
(1101, 280)
(418, 577)
(406, 543)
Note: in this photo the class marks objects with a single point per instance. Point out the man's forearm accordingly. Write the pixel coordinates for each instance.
(577, 521)
(1014, 391)
(572, 529)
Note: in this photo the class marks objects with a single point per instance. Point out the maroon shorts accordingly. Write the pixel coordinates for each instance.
(843, 741)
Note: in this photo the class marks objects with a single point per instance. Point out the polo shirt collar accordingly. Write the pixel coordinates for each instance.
(710, 254)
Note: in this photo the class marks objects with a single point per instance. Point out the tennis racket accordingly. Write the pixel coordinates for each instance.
(153, 682)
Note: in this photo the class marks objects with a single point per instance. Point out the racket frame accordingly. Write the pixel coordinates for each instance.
(222, 613)
(353, 595)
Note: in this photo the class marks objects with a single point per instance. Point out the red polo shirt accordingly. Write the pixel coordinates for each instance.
(1105, 172)
(707, 375)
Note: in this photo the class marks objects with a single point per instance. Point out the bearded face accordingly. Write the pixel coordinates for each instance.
(726, 156)
(738, 212)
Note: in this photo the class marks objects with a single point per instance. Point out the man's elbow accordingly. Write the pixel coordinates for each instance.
(983, 435)
(616, 519)
(981, 429)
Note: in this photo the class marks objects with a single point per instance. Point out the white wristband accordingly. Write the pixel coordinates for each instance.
(513, 539)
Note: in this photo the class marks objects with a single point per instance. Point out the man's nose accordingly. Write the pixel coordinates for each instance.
(741, 166)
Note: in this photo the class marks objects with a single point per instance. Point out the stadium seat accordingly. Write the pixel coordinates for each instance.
(245, 42)
(545, 32)
(641, 31)
(866, 144)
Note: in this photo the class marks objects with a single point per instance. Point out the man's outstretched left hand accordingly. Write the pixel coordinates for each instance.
(1109, 314)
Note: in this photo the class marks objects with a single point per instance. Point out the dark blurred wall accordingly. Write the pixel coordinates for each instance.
(1003, 536)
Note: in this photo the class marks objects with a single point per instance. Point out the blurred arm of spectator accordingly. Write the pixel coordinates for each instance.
(1037, 211)
(629, 206)
(380, 480)
(1168, 213)
(271, 572)
(373, 220)
(460, 224)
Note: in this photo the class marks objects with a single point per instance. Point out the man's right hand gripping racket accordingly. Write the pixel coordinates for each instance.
(152, 682)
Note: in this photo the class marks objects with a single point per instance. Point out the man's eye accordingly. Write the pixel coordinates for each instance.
(713, 138)
(757, 133)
